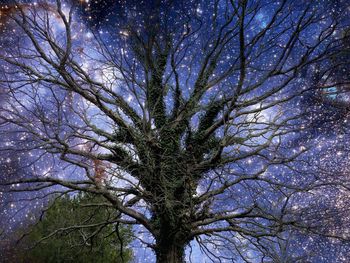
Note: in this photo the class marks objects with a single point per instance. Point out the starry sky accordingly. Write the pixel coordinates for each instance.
(319, 138)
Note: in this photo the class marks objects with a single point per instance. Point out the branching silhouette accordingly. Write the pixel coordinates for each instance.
(183, 118)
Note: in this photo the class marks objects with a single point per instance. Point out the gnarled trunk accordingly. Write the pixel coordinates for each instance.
(170, 252)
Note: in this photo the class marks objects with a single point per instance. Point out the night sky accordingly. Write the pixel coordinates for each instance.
(319, 138)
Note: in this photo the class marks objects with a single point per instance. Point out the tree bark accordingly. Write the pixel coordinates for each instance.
(171, 253)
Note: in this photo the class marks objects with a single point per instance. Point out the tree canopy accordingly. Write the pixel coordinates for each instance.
(77, 229)
(185, 117)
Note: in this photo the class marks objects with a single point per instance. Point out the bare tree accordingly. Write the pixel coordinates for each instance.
(184, 116)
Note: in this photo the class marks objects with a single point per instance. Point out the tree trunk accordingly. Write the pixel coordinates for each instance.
(170, 253)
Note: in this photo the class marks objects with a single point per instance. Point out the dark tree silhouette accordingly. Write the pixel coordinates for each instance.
(182, 116)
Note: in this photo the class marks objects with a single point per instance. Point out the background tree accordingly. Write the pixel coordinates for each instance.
(186, 119)
(77, 229)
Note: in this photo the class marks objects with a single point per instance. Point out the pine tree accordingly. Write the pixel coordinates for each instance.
(78, 229)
